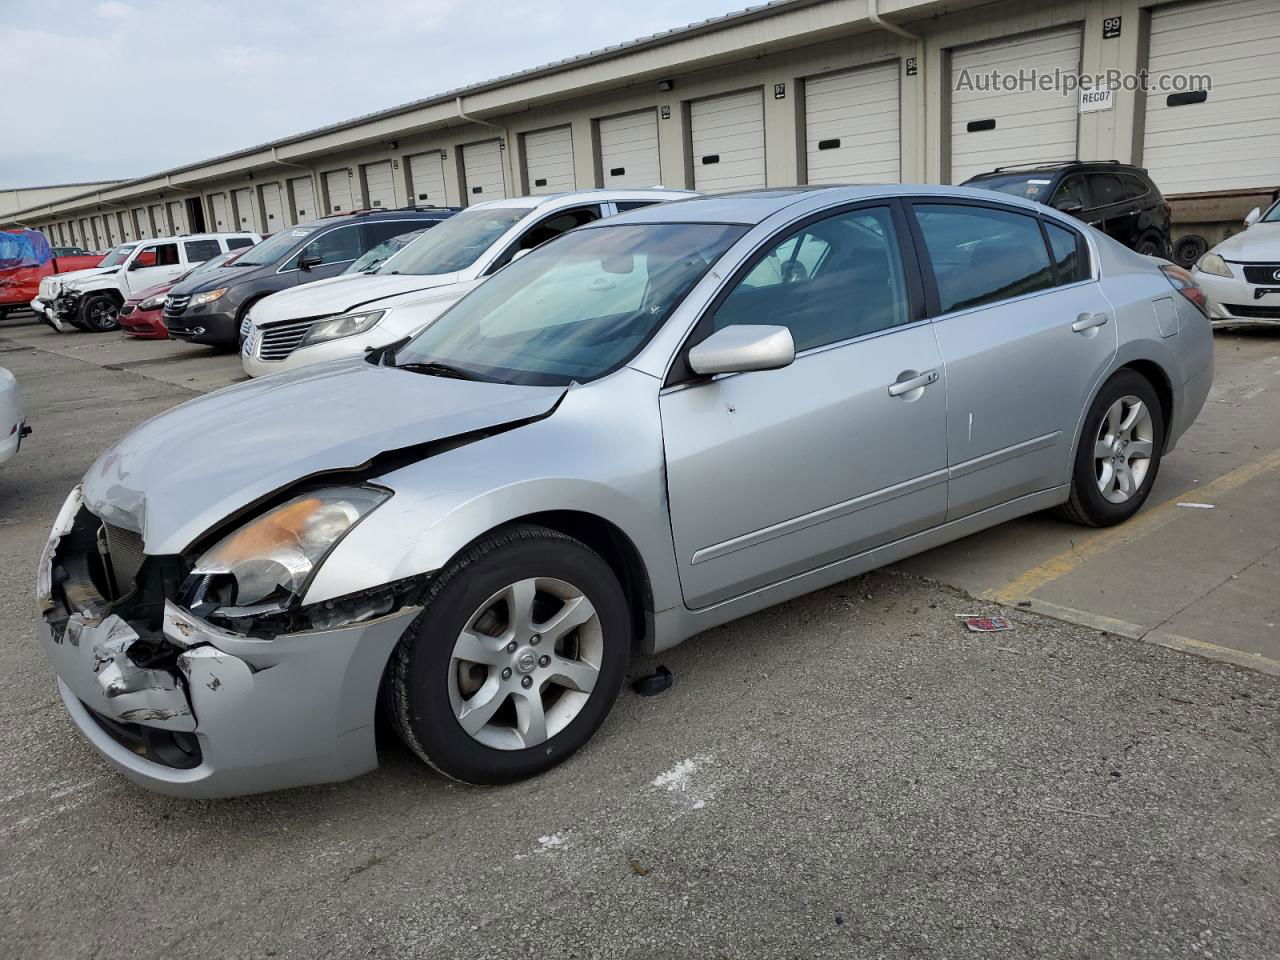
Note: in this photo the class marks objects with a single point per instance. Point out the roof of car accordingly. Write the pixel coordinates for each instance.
(574, 196)
(1054, 165)
(189, 236)
(753, 206)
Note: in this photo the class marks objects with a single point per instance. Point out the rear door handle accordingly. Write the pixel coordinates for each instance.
(915, 383)
(1087, 321)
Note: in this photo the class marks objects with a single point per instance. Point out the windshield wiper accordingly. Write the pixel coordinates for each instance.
(438, 370)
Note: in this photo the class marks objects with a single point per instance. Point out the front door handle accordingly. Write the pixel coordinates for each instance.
(1087, 321)
(900, 387)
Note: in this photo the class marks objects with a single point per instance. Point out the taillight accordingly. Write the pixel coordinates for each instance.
(1186, 285)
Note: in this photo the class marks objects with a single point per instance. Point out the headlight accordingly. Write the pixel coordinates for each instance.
(207, 297)
(152, 303)
(1214, 265)
(345, 326)
(282, 548)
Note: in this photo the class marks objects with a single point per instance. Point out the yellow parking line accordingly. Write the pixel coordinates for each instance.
(1021, 587)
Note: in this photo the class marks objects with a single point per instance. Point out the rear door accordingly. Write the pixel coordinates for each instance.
(774, 473)
(1025, 338)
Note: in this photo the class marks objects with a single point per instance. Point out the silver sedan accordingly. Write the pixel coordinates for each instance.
(649, 426)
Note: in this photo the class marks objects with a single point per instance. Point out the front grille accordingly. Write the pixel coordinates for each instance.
(244, 327)
(126, 310)
(173, 306)
(278, 342)
(1253, 311)
(1262, 272)
(124, 550)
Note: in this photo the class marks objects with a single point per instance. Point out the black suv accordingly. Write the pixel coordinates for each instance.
(1119, 199)
(210, 309)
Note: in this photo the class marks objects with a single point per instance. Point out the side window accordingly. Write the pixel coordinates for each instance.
(981, 255)
(548, 229)
(1105, 189)
(834, 279)
(1070, 254)
(1072, 189)
(159, 255)
(336, 246)
(625, 205)
(237, 243)
(198, 251)
(1132, 187)
(375, 233)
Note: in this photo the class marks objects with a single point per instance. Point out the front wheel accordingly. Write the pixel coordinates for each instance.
(1119, 453)
(100, 314)
(515, 660)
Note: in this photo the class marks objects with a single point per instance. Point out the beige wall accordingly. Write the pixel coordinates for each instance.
(785, 48)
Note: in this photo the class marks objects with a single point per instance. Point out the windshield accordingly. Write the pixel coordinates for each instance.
(118, 255)
(273, 249)
(457, 243)
(1027, 186)
(381, 252)
(221, 260)
(1272, 215)
(575, 309)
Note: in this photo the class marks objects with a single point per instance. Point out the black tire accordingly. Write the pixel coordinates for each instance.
(1087, 505)
(1151, 245)
(415, 691)
(100, 313)
(1189, 248)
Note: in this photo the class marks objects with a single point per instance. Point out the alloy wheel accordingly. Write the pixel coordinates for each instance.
(103, 315)
(1122, 452)
(525, 664)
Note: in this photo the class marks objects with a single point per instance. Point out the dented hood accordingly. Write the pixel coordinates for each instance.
(1260, 243)
(179, 474)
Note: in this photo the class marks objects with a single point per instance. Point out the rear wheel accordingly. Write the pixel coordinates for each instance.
(1119, 453)
(515, 660)
(100, 313)
(1151, 246)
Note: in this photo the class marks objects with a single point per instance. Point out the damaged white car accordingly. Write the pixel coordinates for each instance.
(13, 428)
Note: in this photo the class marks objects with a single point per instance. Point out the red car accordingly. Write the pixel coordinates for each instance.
(143, 316)
(26, 258)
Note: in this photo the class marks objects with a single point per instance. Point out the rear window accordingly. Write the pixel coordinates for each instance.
(1028, 186)
(198, 251)
(239, 243)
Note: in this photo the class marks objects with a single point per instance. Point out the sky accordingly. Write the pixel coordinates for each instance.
(115, 89)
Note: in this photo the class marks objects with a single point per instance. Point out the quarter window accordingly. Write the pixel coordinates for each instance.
(198, 251)
(1106, 189)
(1069, 256)
(981, 255)
(832, 280)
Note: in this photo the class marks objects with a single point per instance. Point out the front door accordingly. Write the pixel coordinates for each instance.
(774, 473)
(153, 263)
(1024, 338)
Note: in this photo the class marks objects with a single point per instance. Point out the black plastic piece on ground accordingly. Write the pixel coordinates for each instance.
(655, 683)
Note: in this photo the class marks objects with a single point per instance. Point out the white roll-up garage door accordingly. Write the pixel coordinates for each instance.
(379, 190)
(728, 142)
(629, 150)
(303, 192)
(483, 170)
(242, 208)
(178, 217)
(159, 222)
(426, 179)
(108, 231)
(1227, 138)
(144, 223)
(548, 160)
(221, 216)
(337, 184)
(993, 128)
(126, 227)
(851, 122)
(272, 207)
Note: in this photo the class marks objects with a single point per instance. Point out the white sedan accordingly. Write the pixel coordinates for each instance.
(12, 427)
(1241, 275)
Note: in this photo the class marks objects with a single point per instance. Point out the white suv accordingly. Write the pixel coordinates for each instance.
(342, 316)
(91, 299)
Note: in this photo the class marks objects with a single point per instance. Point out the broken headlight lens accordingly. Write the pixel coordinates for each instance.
(283, 547)
(207, 297)
(339, 327)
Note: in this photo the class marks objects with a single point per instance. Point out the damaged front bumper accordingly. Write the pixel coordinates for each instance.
(230, 714)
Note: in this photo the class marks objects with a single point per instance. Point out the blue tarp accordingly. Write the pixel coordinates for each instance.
(23, 248)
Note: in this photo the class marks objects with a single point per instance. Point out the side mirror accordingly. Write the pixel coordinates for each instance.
(1252, 217)
(309, 261)
(741, 348)
(1068, 205)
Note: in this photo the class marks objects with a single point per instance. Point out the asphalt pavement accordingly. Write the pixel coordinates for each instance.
(851, 774)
